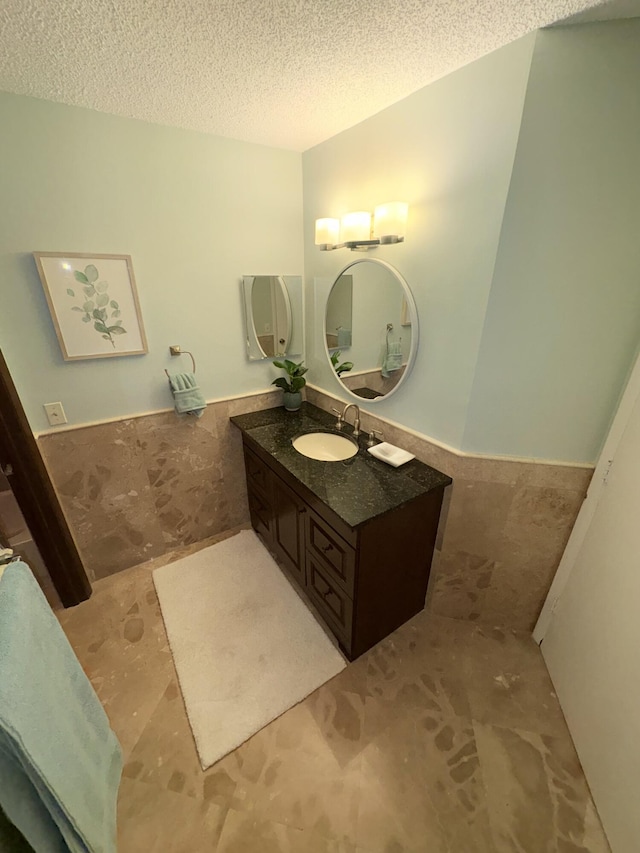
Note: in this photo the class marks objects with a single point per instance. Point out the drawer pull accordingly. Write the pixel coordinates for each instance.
(327, 548)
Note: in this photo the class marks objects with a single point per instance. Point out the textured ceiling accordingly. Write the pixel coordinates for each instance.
(288, 73)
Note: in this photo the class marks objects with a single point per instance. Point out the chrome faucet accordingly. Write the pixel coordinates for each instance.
(356, 420)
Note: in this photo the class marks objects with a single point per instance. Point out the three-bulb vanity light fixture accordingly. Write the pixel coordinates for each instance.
(355, 230)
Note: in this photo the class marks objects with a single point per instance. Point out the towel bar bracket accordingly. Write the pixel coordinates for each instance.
(177, 350)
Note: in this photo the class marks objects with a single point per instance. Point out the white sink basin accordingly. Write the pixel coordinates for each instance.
(326, 446)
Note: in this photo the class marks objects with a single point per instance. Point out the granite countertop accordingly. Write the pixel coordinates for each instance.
(358, 489)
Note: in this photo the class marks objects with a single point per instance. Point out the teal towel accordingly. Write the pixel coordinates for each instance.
(187, 395)
(60, 763)
(392, 360)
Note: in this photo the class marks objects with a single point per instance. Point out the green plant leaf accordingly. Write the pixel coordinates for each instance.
(80, 276)
(102, 300)
(101, 286)
(114, 304)
(106, 337)
(86, 319)
(100, 327)
(116, 313)
(117, 322)
(89, 290)
(70, 292)
(75, 308)
(117, 330)
(280, 364)
(281, 382)
(297, 383)
(91, 272)
(345, 367)
(88, 306)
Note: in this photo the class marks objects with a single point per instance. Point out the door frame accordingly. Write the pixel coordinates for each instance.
(36, 496)
(585, 516)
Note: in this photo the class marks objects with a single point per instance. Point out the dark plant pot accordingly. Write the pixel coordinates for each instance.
(292, 400)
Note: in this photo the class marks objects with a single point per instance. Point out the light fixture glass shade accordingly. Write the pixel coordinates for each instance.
(327, 232)
(355, 227)
(390, 221)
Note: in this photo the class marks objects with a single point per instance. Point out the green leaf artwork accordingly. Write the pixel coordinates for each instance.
(95, 302)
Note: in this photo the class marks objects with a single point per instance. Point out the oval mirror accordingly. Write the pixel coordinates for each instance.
(269, 314)
(371, 329)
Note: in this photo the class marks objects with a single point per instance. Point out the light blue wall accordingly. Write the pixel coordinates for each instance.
(194, 211)
(522, 247)
(448, 150)
(563, 321)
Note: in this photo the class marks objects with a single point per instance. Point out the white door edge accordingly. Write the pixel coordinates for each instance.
(594, 493)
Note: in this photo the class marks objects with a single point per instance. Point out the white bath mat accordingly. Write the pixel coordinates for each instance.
(245, 647)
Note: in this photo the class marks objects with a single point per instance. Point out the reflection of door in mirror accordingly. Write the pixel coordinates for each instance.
(383, 328)
(340, 313)
(270, 316)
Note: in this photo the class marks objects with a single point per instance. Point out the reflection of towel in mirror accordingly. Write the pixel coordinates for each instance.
(344, 337)
(392, 360)
(187, 395)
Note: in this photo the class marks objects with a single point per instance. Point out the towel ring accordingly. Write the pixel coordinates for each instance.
(175, 350)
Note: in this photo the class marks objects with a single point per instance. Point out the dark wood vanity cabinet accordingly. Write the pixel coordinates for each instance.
(363, 582)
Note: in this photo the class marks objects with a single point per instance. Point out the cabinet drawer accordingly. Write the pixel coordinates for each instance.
(334, 556)
(332, 602)
(257, 473)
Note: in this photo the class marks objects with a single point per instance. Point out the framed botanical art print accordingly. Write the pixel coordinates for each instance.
(93, 303)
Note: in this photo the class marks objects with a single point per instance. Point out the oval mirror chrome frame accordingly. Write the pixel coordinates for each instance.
(415, 329)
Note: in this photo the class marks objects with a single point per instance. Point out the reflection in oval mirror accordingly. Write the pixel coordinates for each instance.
(268, 315)
(271, 314)
(371, 329)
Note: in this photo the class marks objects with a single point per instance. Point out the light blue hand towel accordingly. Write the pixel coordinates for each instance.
(60, 763)
(392, 360)
(344, 337)
(187, 395)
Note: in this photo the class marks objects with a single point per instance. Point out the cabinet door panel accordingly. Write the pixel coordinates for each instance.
(332, 552)
(288, 512)
(261, 514)
(332, 603)
(257, 472)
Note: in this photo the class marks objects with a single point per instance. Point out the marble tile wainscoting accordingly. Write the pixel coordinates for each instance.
(504, 526)
(137, 488)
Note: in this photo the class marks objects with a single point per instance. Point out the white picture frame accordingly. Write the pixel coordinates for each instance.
(91, 297)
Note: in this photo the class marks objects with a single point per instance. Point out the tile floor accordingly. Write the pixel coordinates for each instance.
(447, 736)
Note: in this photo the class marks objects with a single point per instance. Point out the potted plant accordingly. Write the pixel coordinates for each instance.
(340, 368)
(293, 385)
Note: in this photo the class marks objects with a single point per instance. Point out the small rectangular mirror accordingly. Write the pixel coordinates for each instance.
(273, 315)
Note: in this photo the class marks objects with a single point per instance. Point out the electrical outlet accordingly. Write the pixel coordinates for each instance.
(55, 413)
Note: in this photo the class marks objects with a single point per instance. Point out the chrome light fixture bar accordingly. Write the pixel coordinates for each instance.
(355, 230)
